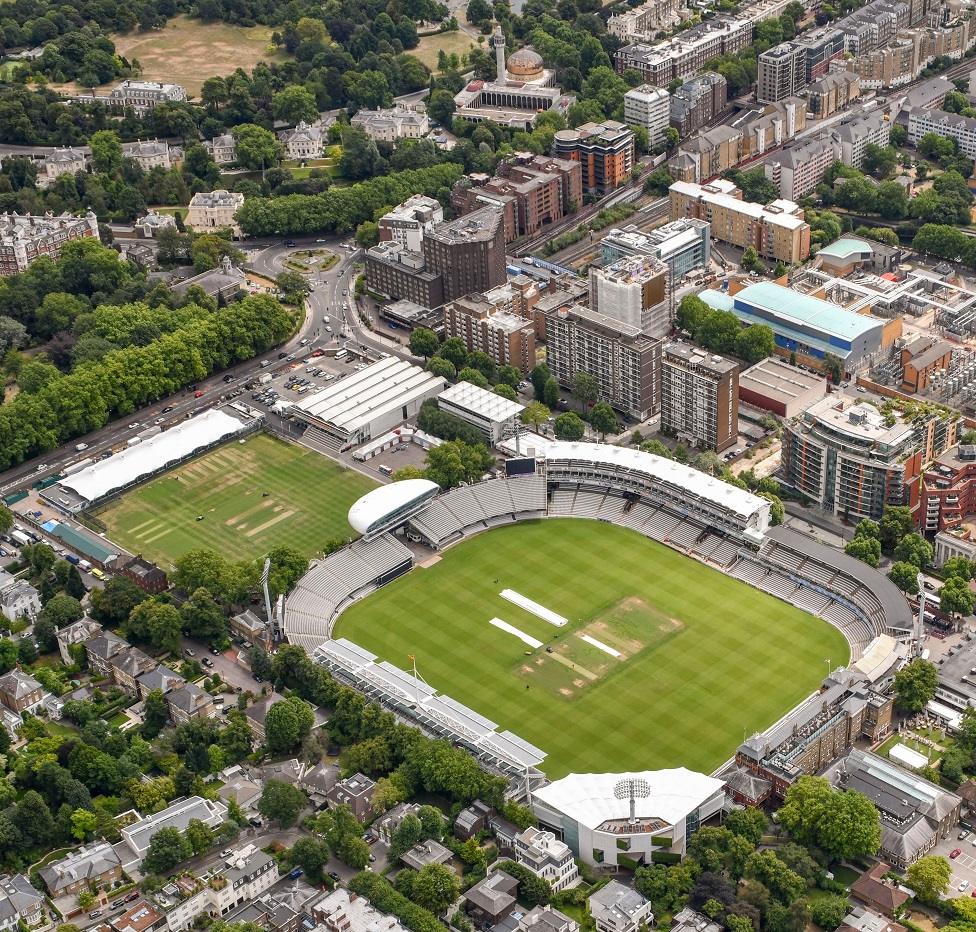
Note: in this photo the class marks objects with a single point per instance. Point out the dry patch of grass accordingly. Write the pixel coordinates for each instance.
(451, 42)
(187, 51)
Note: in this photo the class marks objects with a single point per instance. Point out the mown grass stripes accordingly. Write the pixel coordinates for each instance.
(739, 661)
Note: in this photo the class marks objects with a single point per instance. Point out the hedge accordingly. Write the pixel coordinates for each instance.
(381, 894)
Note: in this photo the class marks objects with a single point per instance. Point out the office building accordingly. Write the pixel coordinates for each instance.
(782, 72)
(531, 191)
(407, 223)
(492, 414)
(852, 460)
(604, 150)
(697, 102)
(523, 88)
(636, 291)
(833, 92)
(798, 168)
(949, 125)
(699, 397)
(650, 108)
(24, 238)
(469, 252)
(459, 257)
(776, 230)
(495, 330)
(215, 210)
(687, 53)
(623, 359)
(949, 492)
(774, 385)
(684, 246)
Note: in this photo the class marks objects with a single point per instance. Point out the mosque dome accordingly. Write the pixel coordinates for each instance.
(524, 64)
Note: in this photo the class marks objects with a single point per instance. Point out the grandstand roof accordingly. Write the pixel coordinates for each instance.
(736, 500)
(373, 508)
(591, 798)
(896, 609)
(151, 455)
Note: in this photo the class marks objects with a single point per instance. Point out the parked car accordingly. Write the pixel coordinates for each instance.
(955, 853)
(206, 661)
(963, 834)
(295, 873)
(188, 651)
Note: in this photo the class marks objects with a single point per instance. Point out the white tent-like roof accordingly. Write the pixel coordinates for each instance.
(156, 452)
(590, 798)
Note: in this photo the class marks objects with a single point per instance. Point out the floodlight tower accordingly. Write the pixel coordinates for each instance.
(264, 585)
(632, 788)
(920, 621)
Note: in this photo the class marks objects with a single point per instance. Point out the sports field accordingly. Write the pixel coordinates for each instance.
(253, 496)
(686, 662)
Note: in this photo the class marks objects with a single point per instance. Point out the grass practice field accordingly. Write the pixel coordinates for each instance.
(309, 497)
(187, 51)
(679, 663)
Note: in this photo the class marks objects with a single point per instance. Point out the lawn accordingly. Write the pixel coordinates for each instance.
(253, 496)
(187, 51)
(691, 661)
(458, 42)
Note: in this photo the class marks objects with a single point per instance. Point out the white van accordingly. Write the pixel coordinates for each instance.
(342, 354)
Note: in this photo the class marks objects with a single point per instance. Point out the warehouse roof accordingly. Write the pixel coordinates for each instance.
(481, 402)
(358, 399)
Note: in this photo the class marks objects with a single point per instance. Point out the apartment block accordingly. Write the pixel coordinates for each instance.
(853, 135)
(504, 336)
(852, 460)
(687, 53)
(699, 397)
(547, 857)
(24, 237)
(644, 21)
(215, 210)
(396, 272)
(531, 191)
(821, 48)
(407, 223)
(833, 92)
(798, 168)
(951, 125)
(635, 290)
(698, 101)
(708, 154)
(604, 150)
(777, 230)
(623, 359)
(650, 108)
(893, 65)
(949, 491)
(782, 72)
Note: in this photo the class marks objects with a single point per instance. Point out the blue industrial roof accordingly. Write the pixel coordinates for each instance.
(792, 307)
(716, 300)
